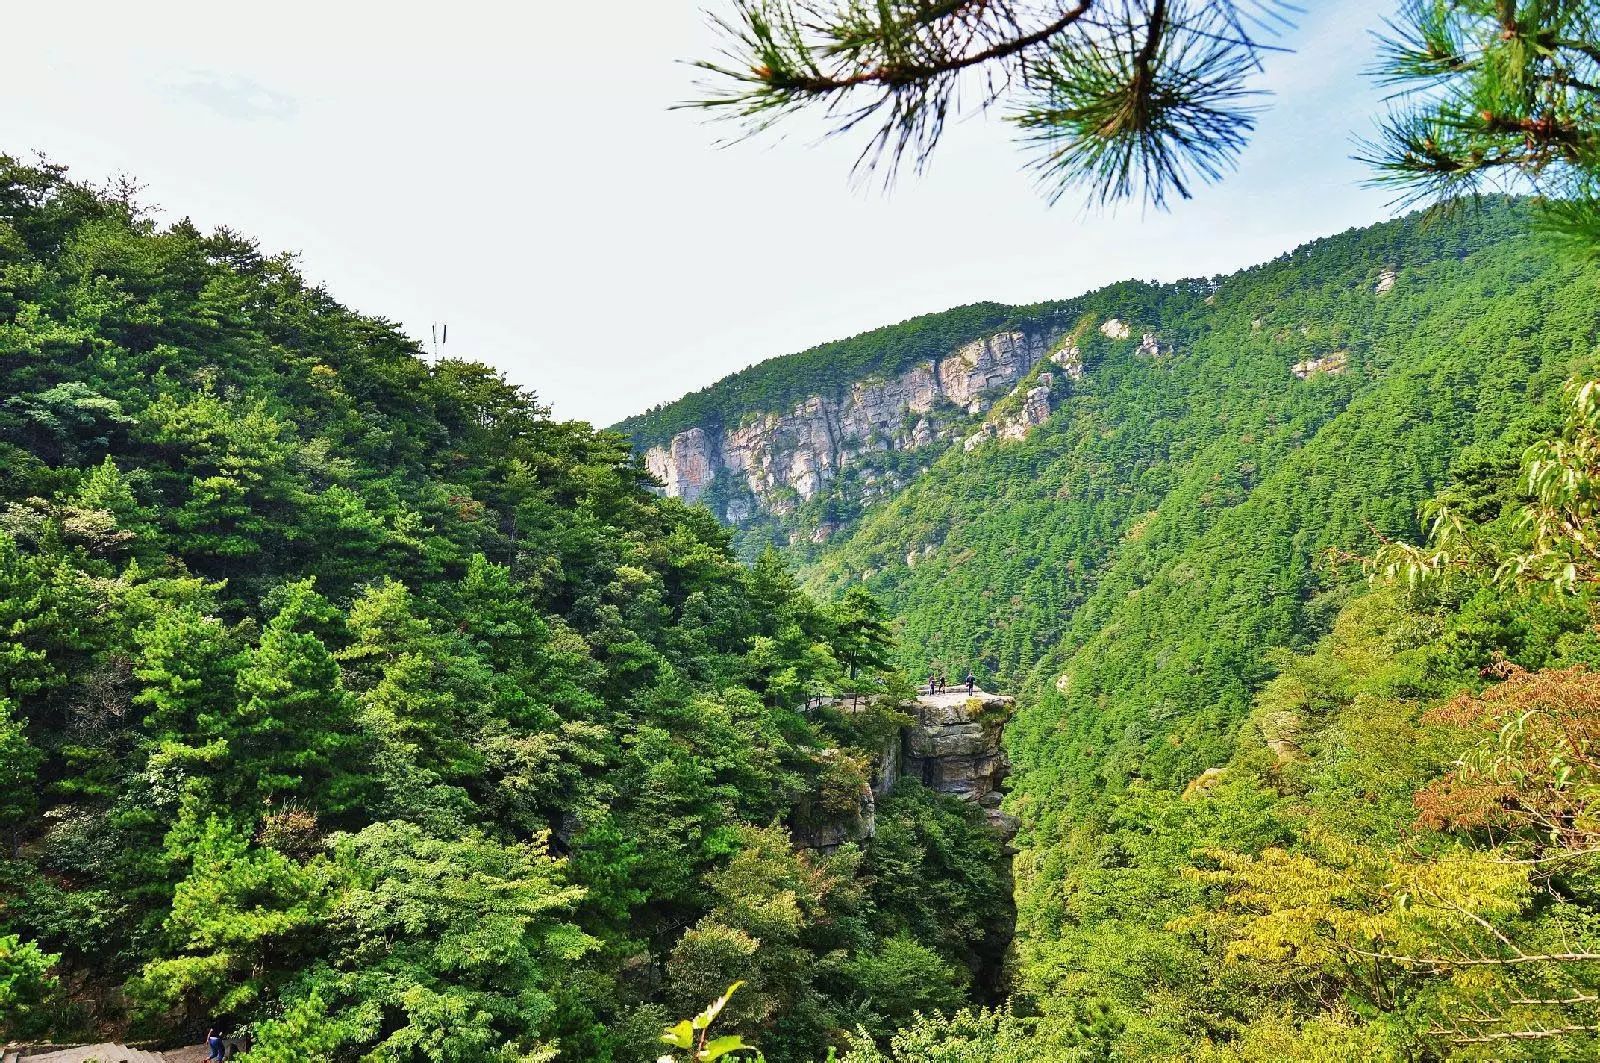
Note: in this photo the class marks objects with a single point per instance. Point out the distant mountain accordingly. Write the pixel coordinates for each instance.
(985, 468)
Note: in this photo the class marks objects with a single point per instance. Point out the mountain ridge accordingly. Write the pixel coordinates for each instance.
(792, 451)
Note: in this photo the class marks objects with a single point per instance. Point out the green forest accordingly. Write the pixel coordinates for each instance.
(354, 705)
(1232, 704)
(351, 702)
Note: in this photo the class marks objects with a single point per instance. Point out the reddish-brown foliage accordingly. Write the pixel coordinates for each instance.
(1536, 766)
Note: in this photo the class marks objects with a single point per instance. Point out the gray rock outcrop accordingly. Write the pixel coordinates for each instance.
(785, 458)
(953, 746)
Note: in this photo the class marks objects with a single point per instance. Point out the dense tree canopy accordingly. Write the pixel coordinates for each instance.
(353, 701)
(1233, 756)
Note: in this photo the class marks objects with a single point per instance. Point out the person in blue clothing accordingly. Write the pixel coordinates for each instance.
(214, 1045)
(971, 679)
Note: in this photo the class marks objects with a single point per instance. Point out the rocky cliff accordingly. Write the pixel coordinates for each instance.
(952, 746)
(773, 462)
(955, 747)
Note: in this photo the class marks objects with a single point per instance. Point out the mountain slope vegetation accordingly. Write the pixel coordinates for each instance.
(1172, 559)
(353, 702)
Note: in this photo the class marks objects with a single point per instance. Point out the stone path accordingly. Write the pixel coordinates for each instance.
(104, 1052)
(100, 1053)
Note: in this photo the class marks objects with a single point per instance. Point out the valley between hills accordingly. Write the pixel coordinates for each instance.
(354, 705)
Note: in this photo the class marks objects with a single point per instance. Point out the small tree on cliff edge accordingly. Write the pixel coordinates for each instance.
(862, 638)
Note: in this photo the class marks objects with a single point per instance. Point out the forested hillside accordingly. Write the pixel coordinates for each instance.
(1170, 566)
(353, 702)
(1395, 858)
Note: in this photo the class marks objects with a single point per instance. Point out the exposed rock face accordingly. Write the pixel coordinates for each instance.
(1070, 358)
(782, 458)
(828, 835)
(1116, 329)
(686, 467)
(954, 748)
(1386, 281)
(1205, 781)
(1017, 421)
(1034, 412)
(1333, 364)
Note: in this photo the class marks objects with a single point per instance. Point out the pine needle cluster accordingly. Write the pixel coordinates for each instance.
(1127, 99)
(1495, 95)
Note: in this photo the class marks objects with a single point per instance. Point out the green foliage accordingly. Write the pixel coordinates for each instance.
(1143, 99)
(443, 949)
(982, 1036)
(25, 986)
(1220, 750)
(933, 872)
(694, 1035)
(862, 638)
(901, 979)
(1498, 95)
(352, 701)
(1355, 881)
(1132, 99)
(18, 762)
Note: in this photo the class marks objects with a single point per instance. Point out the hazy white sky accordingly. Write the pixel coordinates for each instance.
(513, 169)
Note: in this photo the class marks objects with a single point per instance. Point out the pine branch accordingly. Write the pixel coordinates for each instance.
(1540, 1034)
(1130, 97)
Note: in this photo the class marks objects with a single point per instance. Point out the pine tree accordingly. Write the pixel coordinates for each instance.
(1132, 98)
(1497, 94)
(18, 763)
(862, 636)
(188, 669)
(1143, 99)
(294, 733)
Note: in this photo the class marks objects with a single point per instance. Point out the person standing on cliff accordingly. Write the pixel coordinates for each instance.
(971, 679)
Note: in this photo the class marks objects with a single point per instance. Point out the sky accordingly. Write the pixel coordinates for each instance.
(516, 170)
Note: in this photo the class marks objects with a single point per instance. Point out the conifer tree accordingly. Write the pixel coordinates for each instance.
(862, 636)
(18, 762)
(1143, 99)
(1497, 95)
(1130, 98)
(293, 733)
(188, 669)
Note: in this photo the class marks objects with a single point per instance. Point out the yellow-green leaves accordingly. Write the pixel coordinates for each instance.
(691, 1034)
